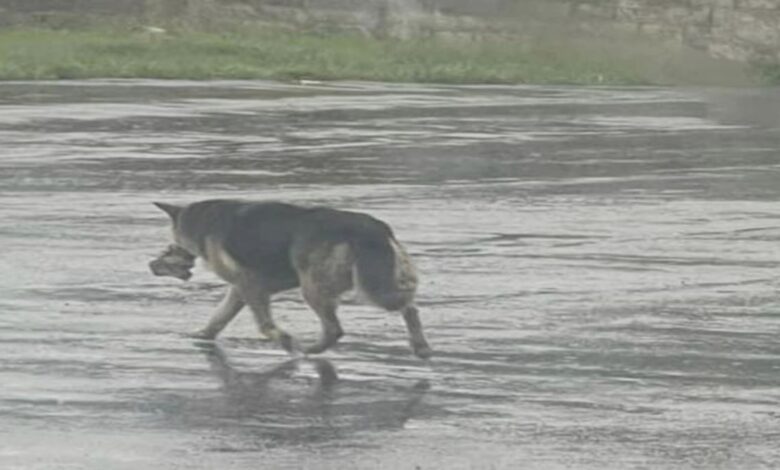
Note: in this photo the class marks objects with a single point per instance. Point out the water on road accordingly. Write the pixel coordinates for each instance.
(599, 274)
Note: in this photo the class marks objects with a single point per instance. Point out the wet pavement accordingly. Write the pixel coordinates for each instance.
(599, 270)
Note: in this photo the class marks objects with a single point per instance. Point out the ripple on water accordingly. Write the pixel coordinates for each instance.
(598, 277)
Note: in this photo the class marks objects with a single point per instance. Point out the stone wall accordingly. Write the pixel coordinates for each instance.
(742, 30)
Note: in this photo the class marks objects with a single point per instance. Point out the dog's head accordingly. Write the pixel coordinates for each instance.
(176, 261)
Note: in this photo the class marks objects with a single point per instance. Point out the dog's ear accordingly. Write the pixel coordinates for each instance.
(169, 209)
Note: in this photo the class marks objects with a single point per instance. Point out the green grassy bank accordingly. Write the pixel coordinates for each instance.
(272, 53)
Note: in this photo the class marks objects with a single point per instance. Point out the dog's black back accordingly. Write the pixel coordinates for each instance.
(266, 236)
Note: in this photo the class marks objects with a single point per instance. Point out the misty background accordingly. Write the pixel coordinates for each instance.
(589, 190)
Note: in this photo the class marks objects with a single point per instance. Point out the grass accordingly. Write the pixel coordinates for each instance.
(273, 53)
(770, 73)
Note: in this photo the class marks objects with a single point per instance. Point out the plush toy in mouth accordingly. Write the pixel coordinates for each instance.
(175, 261)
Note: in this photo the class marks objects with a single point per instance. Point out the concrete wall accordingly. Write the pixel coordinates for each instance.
(742, 30)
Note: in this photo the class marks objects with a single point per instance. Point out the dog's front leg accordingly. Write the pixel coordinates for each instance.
(227, 310)
(259, 300)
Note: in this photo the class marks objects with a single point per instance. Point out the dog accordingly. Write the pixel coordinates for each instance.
(262, 248)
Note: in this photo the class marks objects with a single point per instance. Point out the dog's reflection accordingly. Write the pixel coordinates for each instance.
(240, 383)
(292, 405)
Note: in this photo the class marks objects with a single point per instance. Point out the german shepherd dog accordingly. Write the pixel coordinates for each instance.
(261, 248)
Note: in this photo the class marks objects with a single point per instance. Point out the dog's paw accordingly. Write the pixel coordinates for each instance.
(422, 351)
(315, 349)
(324, 343)
(290, 344)
(200, 334)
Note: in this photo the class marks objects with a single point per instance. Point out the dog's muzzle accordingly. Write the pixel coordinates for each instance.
(175, 261)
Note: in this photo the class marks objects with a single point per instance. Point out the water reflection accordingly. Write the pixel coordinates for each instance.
(300, 400)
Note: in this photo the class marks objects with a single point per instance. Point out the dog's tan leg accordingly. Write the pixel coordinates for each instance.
(325, 307)
(227, 310)
(325, 273)
(259, 301)
(416, 337)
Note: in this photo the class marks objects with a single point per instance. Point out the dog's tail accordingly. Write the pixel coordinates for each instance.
(385, 272)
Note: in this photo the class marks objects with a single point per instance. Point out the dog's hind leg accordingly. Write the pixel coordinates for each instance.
(227, 310)
(416, 337)
(325, 307)
(259, 300)
(325, 273)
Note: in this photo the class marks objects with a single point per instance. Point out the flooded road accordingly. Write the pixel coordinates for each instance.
(599, 269)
